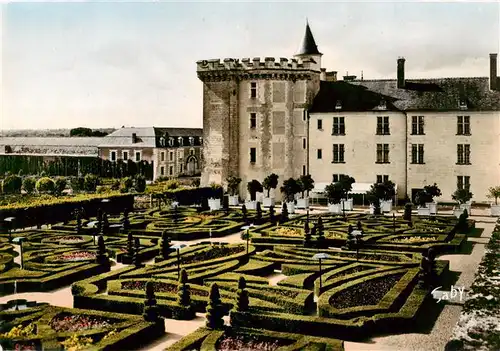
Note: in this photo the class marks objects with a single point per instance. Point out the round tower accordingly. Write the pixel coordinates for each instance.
(309, 50)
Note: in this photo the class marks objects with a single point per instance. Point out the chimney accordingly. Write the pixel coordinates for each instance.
(493, 72)
(322, 75)
(134, 138)
(401, 73)
(331, 76)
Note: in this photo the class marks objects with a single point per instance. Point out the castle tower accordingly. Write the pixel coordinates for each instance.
(255, 118)
(309, 50)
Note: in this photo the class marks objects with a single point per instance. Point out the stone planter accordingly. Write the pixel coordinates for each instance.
(457, 212)
(233, 200)
(214, 204)
(466, 207)
(334, 208)
(432, 206)
(495, 210)
(424, 211)
(290, 207)
(251, 205)
(348, 204)
(386, 206)
(268, 202)
(303, 203)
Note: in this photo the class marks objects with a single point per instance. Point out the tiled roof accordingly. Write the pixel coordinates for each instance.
(350, 96)
(51, 145)
(179, 132)
(440, 94)
(123, 137)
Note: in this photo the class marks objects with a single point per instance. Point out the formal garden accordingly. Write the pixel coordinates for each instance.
(263, 278)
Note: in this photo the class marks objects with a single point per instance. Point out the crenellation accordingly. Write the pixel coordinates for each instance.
(246, 64)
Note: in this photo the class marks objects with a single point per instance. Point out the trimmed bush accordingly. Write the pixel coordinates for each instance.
(12, 184)
(140, 184)
(29, 184)
(45, 185)
(90, 182)
(214, 309)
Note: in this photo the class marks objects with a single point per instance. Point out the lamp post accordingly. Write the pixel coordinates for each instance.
(320, 256)
(19, 240)
(247, 237)
(10, 220)
(178, 247)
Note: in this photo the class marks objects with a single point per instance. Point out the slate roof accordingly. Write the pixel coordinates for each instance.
(64, 146)
(146, 137)
(440, 94)
(308, 46)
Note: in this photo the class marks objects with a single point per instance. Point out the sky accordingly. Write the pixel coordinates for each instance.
(109, 64)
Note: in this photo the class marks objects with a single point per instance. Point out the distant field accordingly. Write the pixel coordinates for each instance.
(44, 132)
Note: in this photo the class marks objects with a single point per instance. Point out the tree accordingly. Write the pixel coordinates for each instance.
(284, 213)
(90, 182)
(407, 213)
(165, 245)
(244, 212)
(380, 192)
(270, 182)
(334, 193)
(232, 185)
(271, 214)
(101, 257)
(214, 309)
(242, 300)
(289, 189)
(433, 190)
(183, 293)
(494, 193)
(258, 216)
(253, 188)
(150, 309)
(306, 184)
(140, 184)
(422, 198)
(346, 183)
(462, 195)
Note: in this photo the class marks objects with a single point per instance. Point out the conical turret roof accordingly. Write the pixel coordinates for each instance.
(308, 46)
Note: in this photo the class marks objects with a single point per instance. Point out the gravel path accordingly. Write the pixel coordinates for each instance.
(437, 338)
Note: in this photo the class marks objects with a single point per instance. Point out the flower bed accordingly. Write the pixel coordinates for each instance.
(159, 287)
(414, 239)
(366, 294)
(284, 231)
(74, 323)
(247, 343)
(214, 252)
(71, 240)
(347, 272)
(77, 256)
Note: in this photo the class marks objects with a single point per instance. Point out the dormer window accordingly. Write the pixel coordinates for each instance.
(338, 105)
(462, 104)
(201, 141)
(383, 104)
(191, 141)
(162, 141)
(181, 141)
(171, 141)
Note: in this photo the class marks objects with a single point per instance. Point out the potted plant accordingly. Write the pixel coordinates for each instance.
(334, 193)
(387, 192)
(494, 193)
(377, 195)
(433, 191)
(270, 182)
(289, 189)
(423, 198)
(214, 201)
(253, 188)
(233, 184)
(346, 183)
(462, 196)
(306, 184)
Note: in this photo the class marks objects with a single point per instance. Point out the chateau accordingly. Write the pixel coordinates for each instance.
(292, 117)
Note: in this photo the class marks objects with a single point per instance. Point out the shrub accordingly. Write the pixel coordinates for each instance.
(165, 245)
(90, 182)
(101, 189)
(172, 184)
(195, 183)
(77, 184)
(334, 193)
(494, 193)
(184, 295)
(232, 185)
(289, 189)
(12, 184)
(462, 195)
(127, 184)
(140, 184)
(242, 300)
(407, 213)
(305, 183)
(150, 308)
(214, 309)
(29, 184)
(284, 213)
(253, 188)
(60, 185)
(45, 185)
(270, 182)
(346, 183)
(115, 184)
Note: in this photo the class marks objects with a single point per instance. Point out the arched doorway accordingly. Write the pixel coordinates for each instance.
(191, 165)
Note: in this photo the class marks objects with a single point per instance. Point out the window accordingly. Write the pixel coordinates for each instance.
(253, 90)
(171, 170)
(463, 125)
(304, 143)
(383, 125)
(162, 170)
(338, 153)
(181, 141)
(463, 154)
(191, 151)
(382, 178)
(191, 141)
(417, 153)
(171, 156)
(462, 103)
(112, 156)
(171, 141)
(253, 155)
(137, 156)
(162, 156)
(338, 105)
(382, 153)
(180, 153)
(338, 126)
(162, 141)
(337, 177)
(320, 124)
(253, 120)
(463, 182)
(417, 125)
(320, 154)
(303, 170)
(180, 168)
(125, 155)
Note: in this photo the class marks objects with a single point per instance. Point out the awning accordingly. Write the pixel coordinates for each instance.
(357, 188)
